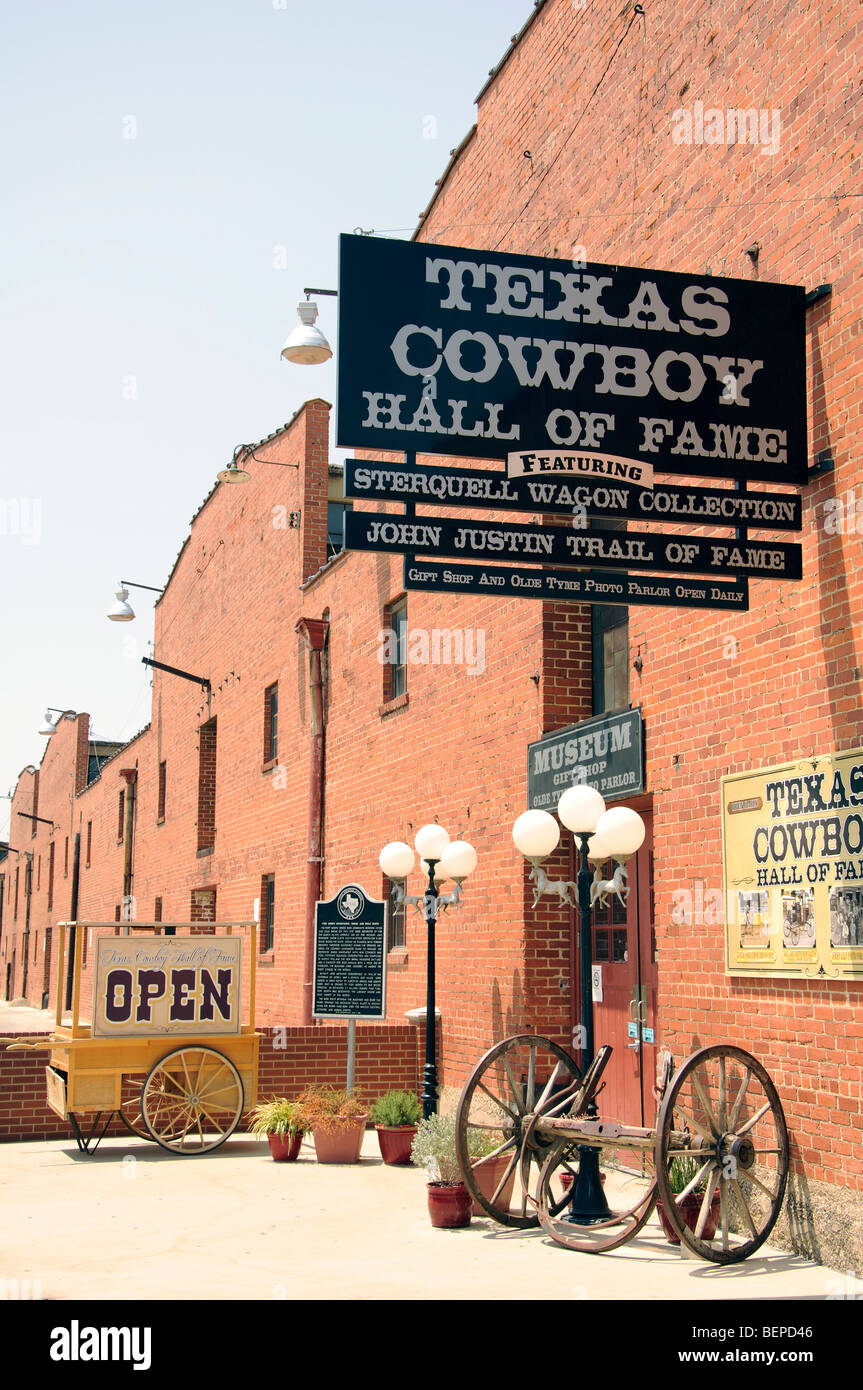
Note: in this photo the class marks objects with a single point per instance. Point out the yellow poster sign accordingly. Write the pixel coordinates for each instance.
(792, 852)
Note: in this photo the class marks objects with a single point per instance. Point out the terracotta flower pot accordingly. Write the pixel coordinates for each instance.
(284, 1147)
(449, 1204)
(395, 1142)
(341, 1143)
(487, 1175)
(689, 1209)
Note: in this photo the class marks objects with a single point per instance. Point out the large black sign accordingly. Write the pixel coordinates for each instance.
(445, 350)
(606, 753)
(350, 954)
(564, 545)
(597, 586)
(469, 487)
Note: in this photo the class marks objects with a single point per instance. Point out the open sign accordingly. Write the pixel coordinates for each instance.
(174, 985)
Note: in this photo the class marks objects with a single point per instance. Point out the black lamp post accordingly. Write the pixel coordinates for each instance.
(441, 859)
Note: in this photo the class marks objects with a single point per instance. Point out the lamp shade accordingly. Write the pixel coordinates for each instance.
(396, 859)
(621, 830)
(233, 473)
(46, 727)
(580, 808)
(307, 344)
(121, 611)
(431, 841)
(459, 860)
(536, 834)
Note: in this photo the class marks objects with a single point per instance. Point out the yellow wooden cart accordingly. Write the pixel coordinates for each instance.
(170, 1047)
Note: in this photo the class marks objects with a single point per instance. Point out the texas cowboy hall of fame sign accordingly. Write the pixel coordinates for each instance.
(591, 385)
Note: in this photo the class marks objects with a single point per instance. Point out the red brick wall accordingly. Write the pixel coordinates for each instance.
(720, 693)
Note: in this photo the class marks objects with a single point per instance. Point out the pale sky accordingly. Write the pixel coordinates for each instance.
(173, 175)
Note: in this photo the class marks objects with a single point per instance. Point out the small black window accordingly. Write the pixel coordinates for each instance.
(271, 723)
(336, 527)
(610, 626)
(268, 911)
(396, 669)
(396, 937)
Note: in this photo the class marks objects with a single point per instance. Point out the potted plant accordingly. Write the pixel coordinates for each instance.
(280, 1120)
(434, 1148)
(395, 1116)
(681, 1171)
(337, 1120)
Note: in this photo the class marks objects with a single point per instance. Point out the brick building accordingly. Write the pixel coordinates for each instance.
(582, 148)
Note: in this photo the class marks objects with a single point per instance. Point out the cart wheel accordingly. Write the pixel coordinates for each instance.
(517, 1078)
(638, 1194)
(192, 1100)
(722, 1114)
(130, 1109)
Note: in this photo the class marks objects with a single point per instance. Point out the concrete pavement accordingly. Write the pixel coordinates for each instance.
(133, 1222)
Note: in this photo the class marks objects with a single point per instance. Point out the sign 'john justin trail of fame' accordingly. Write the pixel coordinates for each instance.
(560, 545)
(445, 350)
(350, 956)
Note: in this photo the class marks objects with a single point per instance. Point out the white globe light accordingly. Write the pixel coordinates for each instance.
(396, 859)
(536, 834)
(459, 860)
(580, 808)
(622, 830)
(431, 841)
(597, 849)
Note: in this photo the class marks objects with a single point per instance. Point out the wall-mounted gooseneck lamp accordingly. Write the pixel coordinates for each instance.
(48, 724)
(121, 611)
(307, 345)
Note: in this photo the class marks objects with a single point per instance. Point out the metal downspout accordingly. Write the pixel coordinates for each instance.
(314, 630)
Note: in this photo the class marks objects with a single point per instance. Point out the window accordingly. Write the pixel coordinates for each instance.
(271, 723)
(396, 919)
(157, 910)
(610, 625)
(51, 876)
(121, 810)
(207, 788)
(395, 650)
(163, 774)
(336, 527)
(89, 842)
(66, 858)
(268, 911)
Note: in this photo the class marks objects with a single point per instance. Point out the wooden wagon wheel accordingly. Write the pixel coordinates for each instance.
(725, 1104)
(515, 1079)
(639, 1198)
(192, 1100)
(130, 1109)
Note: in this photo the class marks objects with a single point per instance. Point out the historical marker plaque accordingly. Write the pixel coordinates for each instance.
(350, 956)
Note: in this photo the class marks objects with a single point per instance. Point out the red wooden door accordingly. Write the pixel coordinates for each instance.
(625, 957)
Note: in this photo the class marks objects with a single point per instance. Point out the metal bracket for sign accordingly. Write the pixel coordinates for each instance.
(824, 463)
(815, 296)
